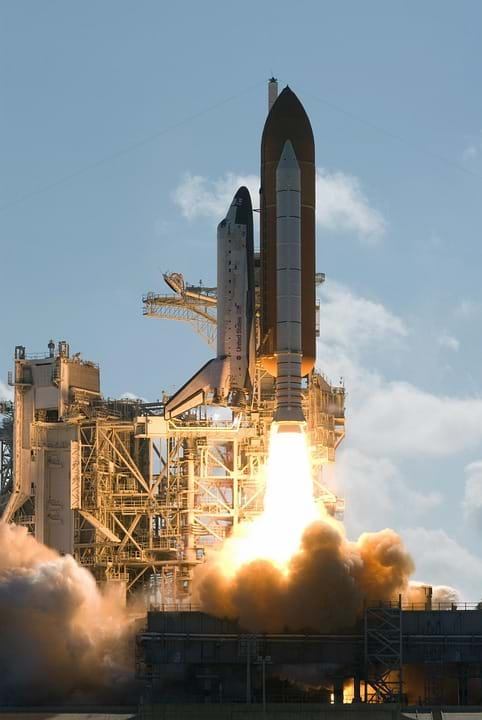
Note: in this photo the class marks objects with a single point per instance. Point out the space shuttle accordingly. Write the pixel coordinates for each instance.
(287, 308)
(228, 378)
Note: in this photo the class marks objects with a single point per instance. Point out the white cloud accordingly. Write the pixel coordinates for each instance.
(353, 321)
(388, 422)
(449, 342)
(466, 309)
(197, 196)
(470, 152)
(400, 418)
(473, 149)
(440, 559)
(342, 205)
(132, 396)
(388, 417)
(472, 502)
(6, 393)
(377, 490)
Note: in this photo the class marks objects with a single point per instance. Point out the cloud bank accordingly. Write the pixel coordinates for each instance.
(393, 417)
(341, 205)
(390, 422)
(472, 501)
(198, 196)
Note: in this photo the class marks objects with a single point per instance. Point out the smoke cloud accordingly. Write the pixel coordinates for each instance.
(323, 589)
(62, 639)
(444, 595)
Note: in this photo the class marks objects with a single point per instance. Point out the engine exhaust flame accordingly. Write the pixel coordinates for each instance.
(289, 507)
(293, 566)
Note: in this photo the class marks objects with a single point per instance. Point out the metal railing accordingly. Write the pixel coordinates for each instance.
(431, 605)
(175, 607)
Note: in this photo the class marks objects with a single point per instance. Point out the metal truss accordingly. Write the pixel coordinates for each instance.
(209, 480)
(195, 305)
(118, 505)
(383, 654)
(153, 496)
(216, 472)
(6, 448)
(149, 497)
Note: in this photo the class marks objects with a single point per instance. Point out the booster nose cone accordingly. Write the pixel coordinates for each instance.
(288, 163)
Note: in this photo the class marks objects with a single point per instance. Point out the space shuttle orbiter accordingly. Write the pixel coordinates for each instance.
(227, 379)
(287, 315)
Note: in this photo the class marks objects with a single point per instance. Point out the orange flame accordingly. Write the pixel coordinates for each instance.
(289, 506)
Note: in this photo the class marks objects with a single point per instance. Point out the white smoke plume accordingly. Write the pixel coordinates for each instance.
(445, 595)
(6, 393)
(62, 640)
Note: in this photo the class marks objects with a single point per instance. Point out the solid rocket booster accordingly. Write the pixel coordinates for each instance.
(288, 289)
(228, 377)
(287, 120)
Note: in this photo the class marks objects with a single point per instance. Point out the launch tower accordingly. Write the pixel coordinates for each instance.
(139, 491)
(263, 320)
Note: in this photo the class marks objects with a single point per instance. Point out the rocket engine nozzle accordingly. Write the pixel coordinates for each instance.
(288, 426)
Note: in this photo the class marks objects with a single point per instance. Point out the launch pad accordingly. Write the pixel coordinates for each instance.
(412, 656)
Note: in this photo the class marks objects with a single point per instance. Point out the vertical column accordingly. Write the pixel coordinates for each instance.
(338, 690)
(190, 487)
(356, 689)
(462, 684)
(272, 92)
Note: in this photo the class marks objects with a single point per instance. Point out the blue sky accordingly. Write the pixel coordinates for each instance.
(124, 127)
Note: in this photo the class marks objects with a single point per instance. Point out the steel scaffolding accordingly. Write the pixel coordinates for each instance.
(154, 495)
(6, 448)
(383, 654)
(136, 498)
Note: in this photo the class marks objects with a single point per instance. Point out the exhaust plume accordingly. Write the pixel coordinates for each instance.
(324, 588)
(62, 639)
(292, 567)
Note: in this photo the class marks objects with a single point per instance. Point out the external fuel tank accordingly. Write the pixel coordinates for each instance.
(287, 121)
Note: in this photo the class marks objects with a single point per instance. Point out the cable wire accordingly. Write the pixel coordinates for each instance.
(393, 135)
(126, 150)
